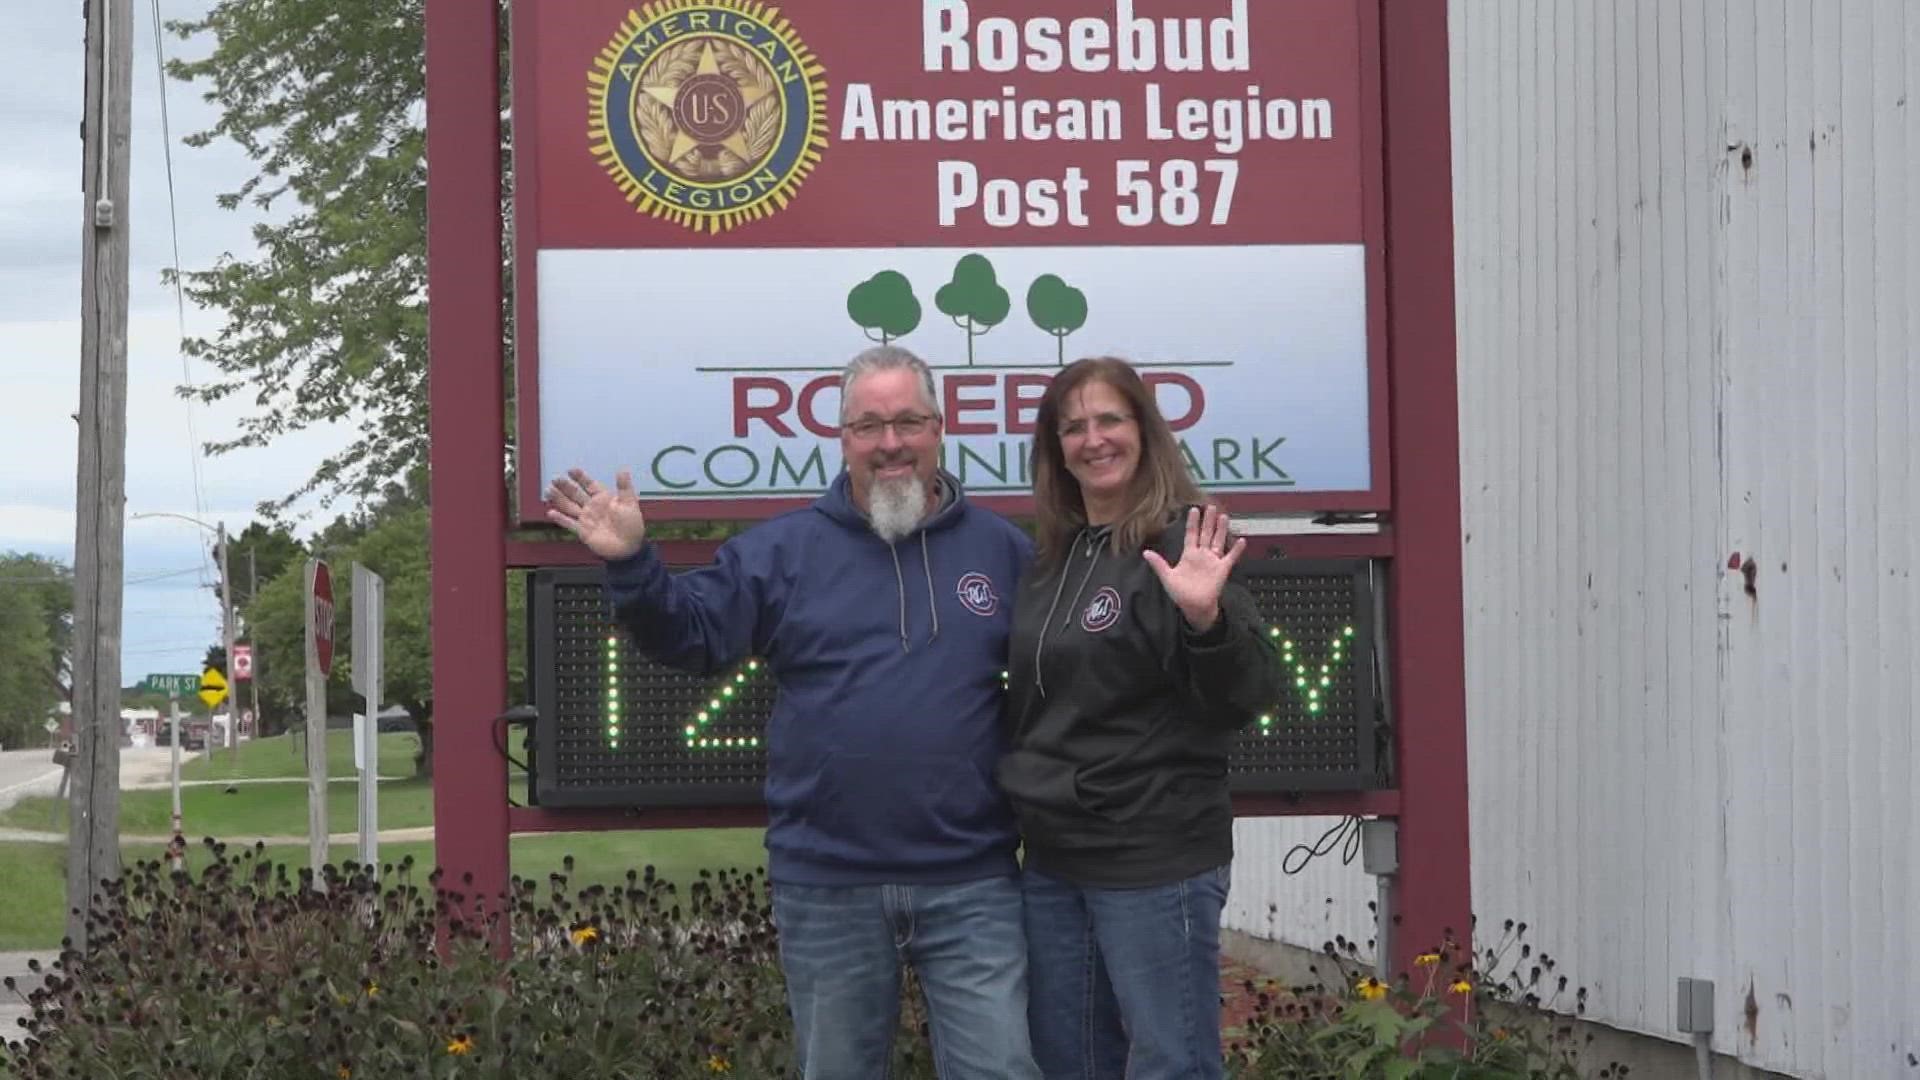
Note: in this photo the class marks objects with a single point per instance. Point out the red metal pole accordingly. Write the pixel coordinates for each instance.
(466, 396)
(1429, 662)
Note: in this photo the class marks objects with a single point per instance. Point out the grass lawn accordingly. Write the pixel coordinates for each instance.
(251, 810)
(286, 756)
(32, 915)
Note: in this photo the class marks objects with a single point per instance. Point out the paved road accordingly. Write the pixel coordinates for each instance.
(27, 772)
(24, 773)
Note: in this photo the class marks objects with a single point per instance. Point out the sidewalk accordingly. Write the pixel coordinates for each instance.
(387, 836)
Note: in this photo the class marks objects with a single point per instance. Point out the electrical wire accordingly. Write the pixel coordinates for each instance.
(1346, 833)
(179, 290)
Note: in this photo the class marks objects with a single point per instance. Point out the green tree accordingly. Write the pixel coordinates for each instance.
(328, 319)
(974, 300)
(1057, 308)
(393, 544)
(36, 638)
(884, 305)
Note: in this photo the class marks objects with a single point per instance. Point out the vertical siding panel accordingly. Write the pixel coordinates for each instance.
(1797, 659)
(1897, 232)
(1745, 739)
(1521, 734)
(1603, 885)
(1676, 518)
(1583, 758)
(1857, 960)
(1499, 343)
(1651, 473)
(1771, 448)
(1706, 138)
(1828, 368)
(1907, 496)
(1564, 921)
(1559, 900)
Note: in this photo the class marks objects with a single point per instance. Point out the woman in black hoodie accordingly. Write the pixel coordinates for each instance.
(1134, 660)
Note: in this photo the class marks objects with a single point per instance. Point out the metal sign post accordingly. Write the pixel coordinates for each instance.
(319, 623)
(369, 624)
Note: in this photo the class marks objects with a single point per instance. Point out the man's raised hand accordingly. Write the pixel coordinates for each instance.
(607, 520)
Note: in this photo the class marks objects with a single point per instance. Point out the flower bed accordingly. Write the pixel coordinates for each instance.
(248, 970)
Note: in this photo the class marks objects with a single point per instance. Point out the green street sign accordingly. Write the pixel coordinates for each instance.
(180, 685)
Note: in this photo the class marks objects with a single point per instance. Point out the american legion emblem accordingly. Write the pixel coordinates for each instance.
(707, 113)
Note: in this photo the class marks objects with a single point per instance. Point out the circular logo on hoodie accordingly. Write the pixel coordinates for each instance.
(977, 595)
(1102, 611)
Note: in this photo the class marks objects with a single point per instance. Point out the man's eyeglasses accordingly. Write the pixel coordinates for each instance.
(1105, 423)
(868, 428)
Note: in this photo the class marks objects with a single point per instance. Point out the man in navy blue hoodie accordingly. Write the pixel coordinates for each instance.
(883, 612)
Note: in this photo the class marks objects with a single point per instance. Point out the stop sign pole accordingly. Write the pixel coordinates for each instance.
(319, 666)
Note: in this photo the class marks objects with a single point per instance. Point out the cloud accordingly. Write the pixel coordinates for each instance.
(169, 618)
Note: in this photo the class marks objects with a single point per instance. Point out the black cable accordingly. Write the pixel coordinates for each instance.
(1349, 827)
(500, 747)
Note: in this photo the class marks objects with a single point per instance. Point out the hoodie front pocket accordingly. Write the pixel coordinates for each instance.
(905, 808)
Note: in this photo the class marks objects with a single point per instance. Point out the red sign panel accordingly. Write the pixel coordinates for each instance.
(719, 202)
(321, 607)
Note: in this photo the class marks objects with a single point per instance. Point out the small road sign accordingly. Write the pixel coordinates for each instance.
(322, 609)
(213, 687)
(171, 684)
(241, 663)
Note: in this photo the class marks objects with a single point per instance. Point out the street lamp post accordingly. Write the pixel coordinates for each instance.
(219, 530)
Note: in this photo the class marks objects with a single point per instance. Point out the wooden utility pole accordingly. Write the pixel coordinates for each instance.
(93, 817)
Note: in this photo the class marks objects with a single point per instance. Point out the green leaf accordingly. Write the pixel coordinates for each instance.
(326, 320)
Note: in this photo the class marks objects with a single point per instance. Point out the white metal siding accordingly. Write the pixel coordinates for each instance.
(1669, 356)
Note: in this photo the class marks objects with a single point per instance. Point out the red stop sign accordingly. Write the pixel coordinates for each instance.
(322, 629)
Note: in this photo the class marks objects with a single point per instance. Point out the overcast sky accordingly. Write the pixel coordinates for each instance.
(171, 613)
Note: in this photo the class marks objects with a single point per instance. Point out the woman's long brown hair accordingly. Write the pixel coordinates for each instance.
(1161, 483)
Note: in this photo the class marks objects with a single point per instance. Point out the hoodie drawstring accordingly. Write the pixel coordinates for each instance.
(900, 587)
(1093, 551)
(926, 564)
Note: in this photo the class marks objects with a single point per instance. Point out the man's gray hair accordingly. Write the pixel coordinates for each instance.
(888, 358)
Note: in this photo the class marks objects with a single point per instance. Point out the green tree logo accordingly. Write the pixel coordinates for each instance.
(884, 306)
(1058, 308)
(973, 299)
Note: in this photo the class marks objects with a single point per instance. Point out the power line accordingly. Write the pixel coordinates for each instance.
(179, 290)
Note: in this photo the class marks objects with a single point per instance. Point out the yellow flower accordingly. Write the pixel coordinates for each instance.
(1461, 986)
(585, 935)
(719, 1064)
(460, 1046)
(373, 989)
(344, 1073)
(1427, 959)
(1372, 989)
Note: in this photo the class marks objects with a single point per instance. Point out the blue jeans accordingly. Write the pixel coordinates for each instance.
(1125, 983)
(841, 949)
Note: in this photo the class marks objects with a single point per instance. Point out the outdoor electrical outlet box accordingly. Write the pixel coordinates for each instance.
(1380, 846)
(1695, 1006)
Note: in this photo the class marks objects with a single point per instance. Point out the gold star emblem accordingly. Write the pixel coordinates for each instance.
(668, 94)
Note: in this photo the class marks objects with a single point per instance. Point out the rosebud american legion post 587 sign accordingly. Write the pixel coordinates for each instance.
(719, 202)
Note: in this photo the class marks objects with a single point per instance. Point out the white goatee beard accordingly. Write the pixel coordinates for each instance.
(896, 506)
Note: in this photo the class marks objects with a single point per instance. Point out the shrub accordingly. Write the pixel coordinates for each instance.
(244, 971)
(1494, 1017)
(248, 970)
